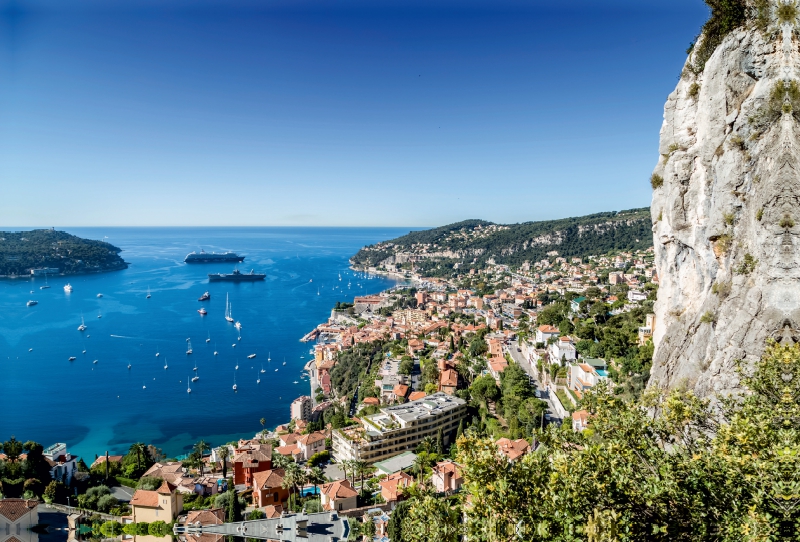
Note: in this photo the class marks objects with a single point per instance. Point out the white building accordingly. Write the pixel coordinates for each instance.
(562, 350)
(399, 428)
(635, 295)
(62, 463)
(301, 408)
(545, 333)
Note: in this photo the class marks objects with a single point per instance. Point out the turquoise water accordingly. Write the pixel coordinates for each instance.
(102, 406)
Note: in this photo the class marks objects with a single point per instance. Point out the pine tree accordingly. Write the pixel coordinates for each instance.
(460, 429)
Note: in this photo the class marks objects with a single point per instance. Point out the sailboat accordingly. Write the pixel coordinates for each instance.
(195, 378)
(129, 366)
(251, 356)
(209, 337)
(238, 326)
(189, 349)
(165, 364)
(188, 387)
(157, 352)
(228, 310)
(262, 369)
(284, 361)
(215, 350)
(46, 286)
(269, 357)
(258, 379)
(195, 367)
(148, 293)
(237, 366)
(340, 277)
(234, 381)
(82, 327)
(99, 315)
(143, 386)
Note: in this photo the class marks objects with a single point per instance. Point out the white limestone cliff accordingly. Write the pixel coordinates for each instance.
(726, 217)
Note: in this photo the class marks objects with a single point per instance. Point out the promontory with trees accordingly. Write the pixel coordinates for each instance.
(23, 251)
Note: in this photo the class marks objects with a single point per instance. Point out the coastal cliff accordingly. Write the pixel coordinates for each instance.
(725, 200)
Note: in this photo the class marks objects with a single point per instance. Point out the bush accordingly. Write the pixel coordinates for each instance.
(111, 529)
(728, 218)
(319, 458)
(726, 16)
(760, 214)
(106, 503)
(708, 318)
(150, 483)
(694, 90)
(158, 528)
(127, 482)
(724, 242)
(656, 181)
(747, 266)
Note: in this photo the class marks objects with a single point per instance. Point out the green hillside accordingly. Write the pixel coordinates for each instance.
(22, 251)
(474, 242)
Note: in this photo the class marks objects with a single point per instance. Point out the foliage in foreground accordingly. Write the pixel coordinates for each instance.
(669, 466)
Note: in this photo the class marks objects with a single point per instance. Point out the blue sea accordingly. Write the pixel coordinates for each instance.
(95, 407)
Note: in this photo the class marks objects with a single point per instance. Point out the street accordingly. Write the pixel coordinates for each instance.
(544, 394)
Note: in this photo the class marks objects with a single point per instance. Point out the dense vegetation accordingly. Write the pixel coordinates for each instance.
(474, 242)
(668, 466)
(22, 251)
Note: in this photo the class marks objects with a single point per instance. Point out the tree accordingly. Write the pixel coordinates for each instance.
(224, 454)
(432, 519)
(316, 476)
(234, 507)
(439, 442)
(199, 450)
(292, 477)
(138, 451)
(666, 466)
(395, 527)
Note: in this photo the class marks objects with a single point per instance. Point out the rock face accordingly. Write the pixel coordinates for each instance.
(726, 211)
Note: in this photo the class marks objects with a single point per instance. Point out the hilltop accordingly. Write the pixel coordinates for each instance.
(38, 249)
(441, 251)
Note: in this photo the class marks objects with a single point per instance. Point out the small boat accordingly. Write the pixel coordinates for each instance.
(237, 367)
(189, 349)
(209, 337)
(205, 297)
(234, 381)
(239, 338)
(165, 364)
(72, 358)
(238, 326)
(148, 293)
(99, 315)
(269, 357)
(94, 362)
(68, 288)
(157, 354)
(262, 368)
(129, 366)
(82, 327)
(202, 312)
(234, 345)
(258, 381)
(31, 303)
(99, 295)
(276, 370)
(284, 363)
(228, 310)
(295, 382)
(195, 378)
(144, 387)
(310, 280)
(84, 351)
(46, 286)
(195, 368)
(251, 356)
(30, 349)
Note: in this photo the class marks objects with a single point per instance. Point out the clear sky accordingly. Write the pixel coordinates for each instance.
(300, 112)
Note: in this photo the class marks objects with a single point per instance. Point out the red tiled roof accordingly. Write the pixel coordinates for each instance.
(400, 390)
(340, 489)
(145, 498)
(268, 479)
(416, 395)
(14, 509)
(273, 511)
(448, 378)
(215, 516)
(513, 448)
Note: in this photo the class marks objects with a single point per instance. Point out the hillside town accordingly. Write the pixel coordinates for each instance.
(396, 379)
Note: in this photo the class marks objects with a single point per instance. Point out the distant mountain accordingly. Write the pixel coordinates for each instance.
(474, 242)
(35, 249)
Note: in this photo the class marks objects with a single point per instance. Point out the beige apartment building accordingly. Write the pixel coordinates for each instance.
(399, 428)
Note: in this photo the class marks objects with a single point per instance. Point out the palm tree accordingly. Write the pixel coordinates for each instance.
(200, 449)
(263, 428)
(292, 476)
(348, 465)
(280, 461)
(139, 450)
(360, 468)
(224, 454)
(419, 465)
(316, 476)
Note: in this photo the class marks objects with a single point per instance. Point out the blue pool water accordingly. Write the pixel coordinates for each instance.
(103, 406)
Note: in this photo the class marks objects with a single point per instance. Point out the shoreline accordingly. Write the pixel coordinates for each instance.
(121, 267)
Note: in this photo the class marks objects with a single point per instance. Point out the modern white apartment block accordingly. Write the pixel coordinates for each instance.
(399, 428)
(301, 408)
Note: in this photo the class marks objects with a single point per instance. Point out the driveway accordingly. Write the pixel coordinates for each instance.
(122, 493)
(334, 472)
(544, 394)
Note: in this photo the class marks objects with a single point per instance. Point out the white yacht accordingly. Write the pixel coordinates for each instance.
(195, 378)
(234, 381)
(238, 326)
(68, 288)
(189, 349)
(262, 369)
(82, 327)
(188, 388)
(165, 364)
(228, 310)
(99, 295)
(251, 356)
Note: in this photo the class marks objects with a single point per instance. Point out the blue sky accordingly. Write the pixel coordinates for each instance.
(379, 113)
